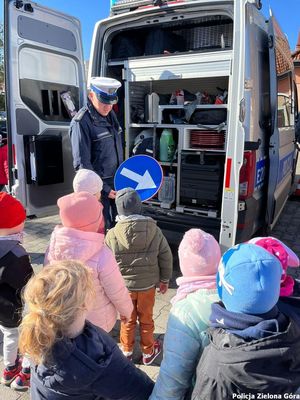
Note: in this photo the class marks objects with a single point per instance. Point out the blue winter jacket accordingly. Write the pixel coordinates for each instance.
(184, 341)
(97, 143)
(89, 367)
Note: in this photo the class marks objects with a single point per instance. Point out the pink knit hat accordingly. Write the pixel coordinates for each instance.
(285, 255)
(199, 253)
(81, 211)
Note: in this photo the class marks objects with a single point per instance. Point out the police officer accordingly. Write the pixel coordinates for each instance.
(96, 139)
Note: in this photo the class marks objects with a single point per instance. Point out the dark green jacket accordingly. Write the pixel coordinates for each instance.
(142, 252)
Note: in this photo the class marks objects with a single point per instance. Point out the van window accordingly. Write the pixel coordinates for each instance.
(44, 77)
(285, 95)
(264, 77)
(283, 111)
(202, 34)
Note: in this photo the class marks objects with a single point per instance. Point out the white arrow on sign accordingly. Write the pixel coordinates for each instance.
(144, 181)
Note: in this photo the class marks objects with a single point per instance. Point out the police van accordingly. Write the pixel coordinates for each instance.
(208, 83)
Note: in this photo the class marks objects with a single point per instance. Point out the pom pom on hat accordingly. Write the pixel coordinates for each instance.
(12, 212)
(199, 253)
(87, 180)
(248, 279)
(80, 211)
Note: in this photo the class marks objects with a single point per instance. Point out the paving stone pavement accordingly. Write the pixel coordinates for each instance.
(37, 233)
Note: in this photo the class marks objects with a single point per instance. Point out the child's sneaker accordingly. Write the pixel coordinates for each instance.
(10, 373)
(22, 381)
(128, 354)
(149, 358)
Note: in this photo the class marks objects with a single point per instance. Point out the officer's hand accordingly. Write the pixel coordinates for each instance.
(112, 194)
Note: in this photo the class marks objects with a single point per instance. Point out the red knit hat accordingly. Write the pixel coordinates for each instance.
(12, 213)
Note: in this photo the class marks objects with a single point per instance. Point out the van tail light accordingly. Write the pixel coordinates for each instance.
(247, 175)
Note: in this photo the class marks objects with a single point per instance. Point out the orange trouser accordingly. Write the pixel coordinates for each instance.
(143, 303)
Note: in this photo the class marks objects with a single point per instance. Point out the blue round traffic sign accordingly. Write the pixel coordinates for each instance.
(142, 173)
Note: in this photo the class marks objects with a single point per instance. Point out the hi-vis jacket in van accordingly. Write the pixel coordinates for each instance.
(97, 143)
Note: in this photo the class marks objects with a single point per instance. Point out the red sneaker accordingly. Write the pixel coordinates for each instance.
(10, 373)
(22, 382)
(149, 358)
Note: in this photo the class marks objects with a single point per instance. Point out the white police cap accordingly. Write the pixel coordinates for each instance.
(105, 89)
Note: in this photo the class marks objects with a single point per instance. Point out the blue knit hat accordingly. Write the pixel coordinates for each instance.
(248, 279)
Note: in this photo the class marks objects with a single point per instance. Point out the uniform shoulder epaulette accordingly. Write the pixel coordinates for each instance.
(80, 113)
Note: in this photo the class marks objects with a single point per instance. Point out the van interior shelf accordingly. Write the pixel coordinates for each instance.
(171, 126)
(200, 106)
(168, 164)
(184, 66)
(115, 63)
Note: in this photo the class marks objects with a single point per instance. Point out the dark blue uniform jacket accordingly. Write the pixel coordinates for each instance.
(97, 143)
(89, 367)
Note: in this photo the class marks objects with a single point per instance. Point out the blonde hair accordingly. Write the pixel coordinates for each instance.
(53, 298)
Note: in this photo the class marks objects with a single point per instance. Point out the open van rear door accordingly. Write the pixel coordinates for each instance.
(45, 83)
(282, 130)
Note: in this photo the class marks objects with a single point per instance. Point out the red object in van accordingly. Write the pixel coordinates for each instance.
(247, 175)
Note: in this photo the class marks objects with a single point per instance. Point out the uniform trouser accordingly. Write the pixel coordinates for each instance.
(109, 211)
(10, 347)
(143, 303)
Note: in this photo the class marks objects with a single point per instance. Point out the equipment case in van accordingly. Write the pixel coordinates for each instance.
(201, 180)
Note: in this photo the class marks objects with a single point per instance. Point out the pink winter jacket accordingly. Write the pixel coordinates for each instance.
(112, 295)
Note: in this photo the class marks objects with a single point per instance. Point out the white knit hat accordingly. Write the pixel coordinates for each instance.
(87, 180)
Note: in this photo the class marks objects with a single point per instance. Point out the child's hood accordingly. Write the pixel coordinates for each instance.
(87, 367)
(89, 353)
(70, 243)
(135, 232)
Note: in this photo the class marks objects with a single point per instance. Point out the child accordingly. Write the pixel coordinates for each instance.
(73, 358)
(254, 348)
(87, 180)
(78, 239)
(145, 259)
(199, 255)
(15, 272)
